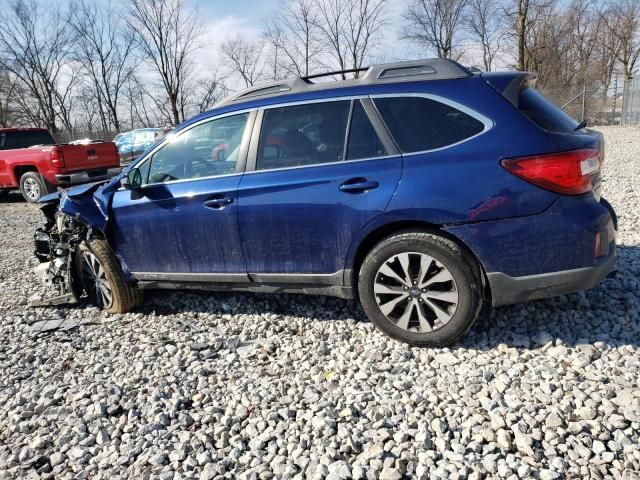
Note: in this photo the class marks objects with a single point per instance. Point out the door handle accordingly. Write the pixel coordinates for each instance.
(358, 185)
(218, 202)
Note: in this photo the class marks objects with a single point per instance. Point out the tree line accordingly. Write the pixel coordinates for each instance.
(112, 66)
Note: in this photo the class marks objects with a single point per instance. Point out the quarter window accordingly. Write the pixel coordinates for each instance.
(209, 149)
(303, 135)
(419, 123)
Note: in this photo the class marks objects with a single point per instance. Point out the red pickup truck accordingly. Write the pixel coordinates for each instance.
(31, 161)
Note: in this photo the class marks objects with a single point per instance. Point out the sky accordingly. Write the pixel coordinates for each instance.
(224, 18)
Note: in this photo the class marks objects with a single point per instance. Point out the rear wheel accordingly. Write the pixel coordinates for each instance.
(420, 288)
(32, 187)
(102, 279)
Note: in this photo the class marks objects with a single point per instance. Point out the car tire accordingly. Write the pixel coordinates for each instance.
(437, 305)
(33, 187)
(111, 292)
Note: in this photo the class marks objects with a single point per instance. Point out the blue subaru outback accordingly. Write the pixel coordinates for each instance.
(422, 189)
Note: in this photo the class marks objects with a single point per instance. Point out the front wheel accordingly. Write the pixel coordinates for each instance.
(420, 288)
(102, 279)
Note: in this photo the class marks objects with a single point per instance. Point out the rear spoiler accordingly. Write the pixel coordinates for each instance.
(509, 84)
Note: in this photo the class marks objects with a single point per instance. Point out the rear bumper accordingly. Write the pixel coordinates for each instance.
(568, 247)
(506, 290)
(69, 179)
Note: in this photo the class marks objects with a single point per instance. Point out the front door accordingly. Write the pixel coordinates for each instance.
(320, 173)
(182, 224)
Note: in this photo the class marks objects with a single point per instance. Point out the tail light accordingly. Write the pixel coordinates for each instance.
(57, 159)
(567, 173)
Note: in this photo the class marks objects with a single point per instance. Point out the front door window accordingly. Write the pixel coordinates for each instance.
(206, 150)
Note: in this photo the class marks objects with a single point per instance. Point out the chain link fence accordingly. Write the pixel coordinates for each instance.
(631, 102)
(590, 102)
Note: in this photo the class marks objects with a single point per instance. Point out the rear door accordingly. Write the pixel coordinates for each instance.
(317, 173)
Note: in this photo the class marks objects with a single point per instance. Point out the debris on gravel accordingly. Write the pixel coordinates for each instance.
(253, 386)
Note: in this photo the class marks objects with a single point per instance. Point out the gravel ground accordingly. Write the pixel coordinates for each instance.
(282, 386)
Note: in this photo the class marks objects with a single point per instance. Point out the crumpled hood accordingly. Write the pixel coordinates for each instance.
(88, 203)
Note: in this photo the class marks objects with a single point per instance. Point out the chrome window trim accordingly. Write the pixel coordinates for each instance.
(346, 98)
(486, 121)
(340, 162)
(148, 156)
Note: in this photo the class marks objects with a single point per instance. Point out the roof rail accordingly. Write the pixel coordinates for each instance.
(336, 72)
(427, 69)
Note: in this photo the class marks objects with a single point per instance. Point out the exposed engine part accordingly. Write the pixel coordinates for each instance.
(55, 247)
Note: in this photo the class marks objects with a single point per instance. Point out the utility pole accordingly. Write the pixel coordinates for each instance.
(615, 97)
(584, 98)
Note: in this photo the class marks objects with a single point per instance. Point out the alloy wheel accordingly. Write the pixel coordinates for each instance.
(95, 281)
(31, 188)
(415, 292)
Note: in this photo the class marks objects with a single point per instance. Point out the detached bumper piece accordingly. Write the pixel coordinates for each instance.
(65, 299)
(67, 180)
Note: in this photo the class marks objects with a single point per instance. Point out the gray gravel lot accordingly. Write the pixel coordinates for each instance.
(282, 386)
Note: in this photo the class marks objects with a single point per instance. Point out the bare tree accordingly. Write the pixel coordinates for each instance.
(350, 29)
(243, 57)
(167, 35)
(436, 24)
(366, 20)
(487, 25)
(8, 92)
(138, 100)
(521, 32)
(607, 48)
(34, 46)
(295, 37)
(622, 21)
(104, 47)
(210, 92)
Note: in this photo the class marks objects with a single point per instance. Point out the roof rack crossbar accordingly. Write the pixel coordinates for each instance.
(336, 72)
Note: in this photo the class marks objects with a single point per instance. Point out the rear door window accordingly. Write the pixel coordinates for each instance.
(363, 139)
(543, 112)
(418, 123)
(298, 135)
(26, 139)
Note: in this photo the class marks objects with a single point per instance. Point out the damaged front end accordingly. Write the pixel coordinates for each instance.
(69, 222)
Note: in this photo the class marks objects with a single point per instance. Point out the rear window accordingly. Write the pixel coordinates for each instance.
(543, 112)
(14, 140)
(419, 123)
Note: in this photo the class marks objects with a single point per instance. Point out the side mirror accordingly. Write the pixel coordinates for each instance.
(133, 180)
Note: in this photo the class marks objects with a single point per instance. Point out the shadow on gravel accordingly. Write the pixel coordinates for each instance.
(12, 197)
(607, 313)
